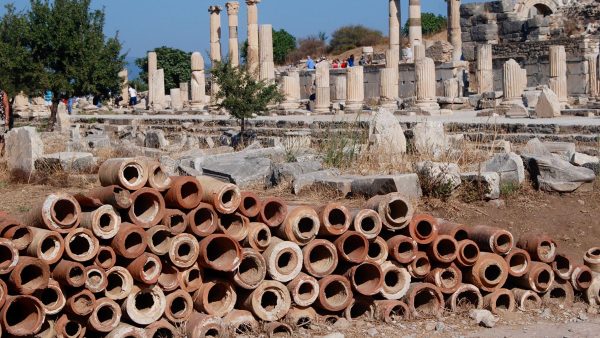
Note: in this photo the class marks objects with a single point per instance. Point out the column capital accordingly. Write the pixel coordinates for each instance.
(252, 2)
(214, 9)
(233, 7)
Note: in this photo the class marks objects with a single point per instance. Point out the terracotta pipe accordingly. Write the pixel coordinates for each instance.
(241, 322)
(114, 195)
(81, 245)
(126, 330)
(130, 242)
(52, 298)
(81, 303)
(329, 319)
(489, 273)
(456, 230)
(592, 259)
(203, 221)
(443, 249)
(367, 222)
(47, 329)
(184, 250)
(366, 278)
(539, 278)
(490, 239)
(104, 222)
(95, 280)
(335, 293)
(45, 245)
(29, 275)
(352, 247)
(162, 329)
(157, 177)
(234, 225)
(395, 210)
(527, 300)
(57, 212)
(146, 268)
(465, 298)
(378, 250)
(448, 278)
(423, 228)
(190, 279)
(215, 297)
(581, 278)
(185, 193)
(68, 327)
(106, 257)
(424, 300)
(500, 301)
(69, 273)
(420, 267)
(396, 281)
(250, 204)
(304, 290)
(360, 308)
(277, 329)
(403, 249)
(176, 220)
(22, 316)
(225, 197)
(252, 270)
(259, 236)
(389, 311)
(592, 294)
(468, 253)
(335, 219)
(144, 306)
(179, 307)
(169, 278)
(159, 240)
(540, 247)
(202, 325)
(299, 317)
(220, 253)
(120, 283)
(7, 222)
(129, 173)
(9, 256)
(300, 226)
(284, 260)
(562, 266)
(270, 301)
(519, 262)
(273, 212)
(560, 293)
(3, 292)
(147, 208)
(21, 236)
(320, 258)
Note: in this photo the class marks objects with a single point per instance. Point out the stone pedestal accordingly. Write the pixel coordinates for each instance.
(176, 102)
(339, 95)
(485, 69)
(184, 89)
(395, 19)
(558, 73)
(323, 100)
(454, 30)
(355, 90)
(159, 102)
(267, 66)
(415, 31)
(124, 77)
(233, 9)
(514, 83)
(388, 88)
(215, 33)
(253, 54)
(198, 83)
(593, 75)
(290, 86)
(425, 82)
(152, 67)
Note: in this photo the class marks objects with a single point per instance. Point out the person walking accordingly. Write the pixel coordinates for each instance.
(310, 63)
(132, 96)
(351, 61)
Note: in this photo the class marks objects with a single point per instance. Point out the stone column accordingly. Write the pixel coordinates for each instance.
(215, 33)
(514, 82)
(184, 89)
(233, 8)
(485, 69)
(159, 90)
(198, 83)
(253, 54)
(388, 88)
(323, 101)
(124, 76)
(340, 90)
(454, 30)
(267, 67)
(395, 19)
(415, 31)
(425, 84)
(593, 73)
(152, 67)
(176, 103)
(558, 73)
(355, 89)
(290, 86)
(419, 52)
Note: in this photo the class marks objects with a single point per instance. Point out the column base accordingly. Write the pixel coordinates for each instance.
(388, 104)
(511, 102)
(354, 107)
(428, 104)
(291, 105)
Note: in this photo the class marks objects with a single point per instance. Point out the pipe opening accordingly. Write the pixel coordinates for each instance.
(470, 251)
(133, 242)
(146, 207)
(303, 322)
(105, 257)
(179, 306)
(249, 270)
(368, 224)
(422, 266)
(150, 268)
(449, 279)
(83, 302)
(212, 333)
(192, 276)
(227, 198)
(493, 273)
(80, 244)
(392, 278)
(269, 300)
(76, 274)
(518, 262)
(503, 302)
(503, 242)
(49, 248)
(73, 329)
(6, 256)
(543, 279)
(546, 249)
(306, 226)
(461, 235)
(161, 240)
(336, 293)
(176, 220)
(375, 250)
(21, 237)
(562, 264)
(425, 302)
(164, 333)
(221, 251)
(398, 311)
(367, 277)
(558, 293)
(354, 247)
(584, 279)
(330, 320)
(50, 297)
(406, 250)
(144, 302)
(337, 218)
(65, 212)
(160, 177)
(32, 276)
(321, 258)
(218, 296)
(282, 331)
(22, 315)
(273, 211)
(204, 219)
(424, 229)
(106, 222)
(359, 309)
(115, 285)
(467, 300)
(446, 248)
(397, 209)
(233, 223)
(306, 291)
(263, 237)
(94, 277)
(132, 174)
(243, 329)
(184, 250)
(287, 261)
(595, 252)
(250, 205)
(530, 302)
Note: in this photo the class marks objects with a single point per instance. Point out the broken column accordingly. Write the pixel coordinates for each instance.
(152, 67)
(198, 83)
(215, 33)
(415, 31)
(340, 90)
(454, 30)
(485, 69)
(267, 66)
(394, 32)
(159, 102)
(593, 75)
(253, 54)
(419, 52)
(425, 83)
(290, 86)
(558, 73)
(124, 76)
(514, 83)
(388, 85)
(323, 100)
(233, 8)
(176, 103)
(184, 89)
(355, 90)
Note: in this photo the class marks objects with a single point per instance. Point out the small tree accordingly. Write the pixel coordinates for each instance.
(350, 37)
(176, 63)
(241, 94)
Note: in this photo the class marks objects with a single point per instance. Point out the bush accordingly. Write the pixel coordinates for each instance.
(350, 37)
(431, 23)
(311, 45)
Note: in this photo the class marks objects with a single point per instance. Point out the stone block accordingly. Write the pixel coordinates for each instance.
(386, 134)
(369, 186)
(304, 181)
(23, 147)
(245, 172)
(553, 174)
(439, 174)
(97, 141)
(288, 172)
(429, 138)
(509, 167)
(78, 162)
(565, 150)
(490, 181)
(548, 105)
(581, 159)
(531, 98)
(155, 139)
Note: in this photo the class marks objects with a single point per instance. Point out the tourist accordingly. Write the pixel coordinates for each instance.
(310, 63)
(335, 64)
(362, 61)
(351, 61)
(132, 96)
(48, 98)
(344, 64)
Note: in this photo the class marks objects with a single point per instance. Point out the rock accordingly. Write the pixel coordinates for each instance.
(516, 110)
(490, 182)
(429, 138)
(548, 105)
(244, 172)
(23, 147)
(96, 141)
(580, 159)
(595, 167)
(386, 135)
(439, 327)
(439, 174)
(281, 172)
(552, 173)
(566, 150)
(342, 324)
(155, 139)
(369, 186)
(170, 165)
(509, 167)
(531, 98)
(484, 318)
(535, 147)
(307, 180)
(372, 332)
(79, 162)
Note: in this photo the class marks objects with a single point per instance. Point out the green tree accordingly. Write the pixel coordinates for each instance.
(283, 44)
(350, 37)
(176, 63)
(430, 23)
(241, 94)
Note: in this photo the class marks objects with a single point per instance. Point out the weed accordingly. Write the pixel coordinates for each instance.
(23, 208)
(341, 148)
(473, 191)
(436, 181)
(509, 189)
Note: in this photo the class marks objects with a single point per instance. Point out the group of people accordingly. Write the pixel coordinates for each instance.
(340, 64)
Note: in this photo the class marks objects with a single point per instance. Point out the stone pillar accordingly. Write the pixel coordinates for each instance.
(215, 33)
(198, 83)
(593, 75)
(485, 69)
(415, 31)
(391, 59)
(253, 54)
(176, 103)
(395, 27)
(184, 89)
(340, 90)
(290, 86)
(267, 67)
(323, 100)
(152, 67)
(558, 73)
(425, 84)
(233, 8)
(419, 52)
(388, 88)
(454, 30)
(514, 82)
(124, 76)
(355, 89)
(159, 90)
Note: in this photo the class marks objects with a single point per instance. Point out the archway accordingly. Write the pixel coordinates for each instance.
(528, 8)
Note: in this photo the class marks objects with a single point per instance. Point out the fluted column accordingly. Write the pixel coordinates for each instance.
(233, 9)
(558, 73)
(514, 82)
(152, 67)
(176, 103)
(340, 89)
(593, 75)
(253, 54)
(485, 69)
(215, 33)
(355, 89)
(323, 99)
(159, 90)
(415, 31)
(267, 67)
(419, 52)
(454, 30)
(395, 19)
(388, 87)
(198, 83)
(124, 77)
(290, 86)
(425, 84)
